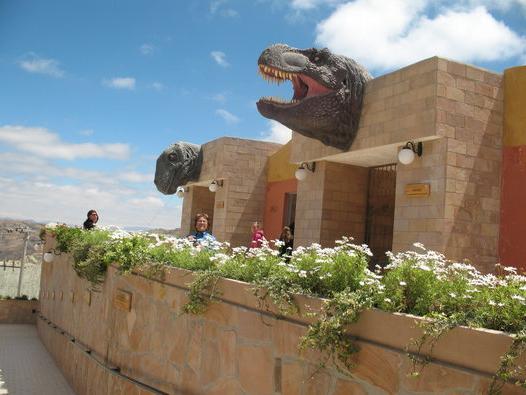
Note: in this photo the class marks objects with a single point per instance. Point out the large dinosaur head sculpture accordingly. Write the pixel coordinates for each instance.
(328, 92)
(179, 163)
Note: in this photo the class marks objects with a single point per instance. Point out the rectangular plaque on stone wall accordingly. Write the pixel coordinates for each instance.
(220, 204)
(417, 190)
(87, 297)
(123, 300)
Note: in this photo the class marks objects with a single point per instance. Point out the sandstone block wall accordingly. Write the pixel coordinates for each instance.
(242, 165)
(18, 311)
(457, 111)
(470, 120)
(331, 203)
(235, 347)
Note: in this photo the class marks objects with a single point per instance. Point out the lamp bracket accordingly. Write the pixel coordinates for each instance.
(310, 166)
(417, 147)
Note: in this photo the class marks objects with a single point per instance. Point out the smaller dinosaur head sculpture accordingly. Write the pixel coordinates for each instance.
(179, 163)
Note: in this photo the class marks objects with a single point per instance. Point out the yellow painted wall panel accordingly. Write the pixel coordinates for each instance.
(515, 106)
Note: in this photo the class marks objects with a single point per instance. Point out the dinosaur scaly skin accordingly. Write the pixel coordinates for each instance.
(328, 93)
(179, 163)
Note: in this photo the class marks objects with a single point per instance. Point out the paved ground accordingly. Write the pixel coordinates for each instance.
(26, 368)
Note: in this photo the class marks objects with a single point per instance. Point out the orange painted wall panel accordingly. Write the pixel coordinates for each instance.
(274, 205)
(512, 245)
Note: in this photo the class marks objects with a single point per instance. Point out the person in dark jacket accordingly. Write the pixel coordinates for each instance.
(91, 221)
(285, 250)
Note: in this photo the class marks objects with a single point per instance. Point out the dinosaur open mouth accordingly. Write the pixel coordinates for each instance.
(304, 86)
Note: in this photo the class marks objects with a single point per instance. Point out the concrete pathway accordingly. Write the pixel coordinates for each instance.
(26, 368)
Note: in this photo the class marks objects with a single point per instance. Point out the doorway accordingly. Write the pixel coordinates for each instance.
(289, 210)
(380, 212)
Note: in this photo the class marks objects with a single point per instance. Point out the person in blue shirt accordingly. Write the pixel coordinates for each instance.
(201, 235)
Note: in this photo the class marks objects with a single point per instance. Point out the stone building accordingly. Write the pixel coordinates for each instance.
(463, 196)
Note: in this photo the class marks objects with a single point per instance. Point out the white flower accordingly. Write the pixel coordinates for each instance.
(419, 245)
(492, 303)
(302, 273)
(402, 283)
(388, 300)
(518, 297)
(52, 225)
(453, 295)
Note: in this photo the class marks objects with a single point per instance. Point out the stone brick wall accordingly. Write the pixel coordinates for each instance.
(344, 203)
(470, 119)
(197, 200)
(242, 165)
(422, 219)
(331, 203)
(457, 111)
(235, 347)
(18, 311)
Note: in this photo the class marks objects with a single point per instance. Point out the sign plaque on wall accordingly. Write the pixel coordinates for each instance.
(122, 300)
(417, 190)
(220, 204)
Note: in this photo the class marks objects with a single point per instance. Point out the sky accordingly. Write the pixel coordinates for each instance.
(91, 92)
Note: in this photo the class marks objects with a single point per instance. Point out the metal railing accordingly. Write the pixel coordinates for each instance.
(20, 262)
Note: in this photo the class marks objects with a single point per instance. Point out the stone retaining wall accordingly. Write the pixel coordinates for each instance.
(134, 326)
(14, 311)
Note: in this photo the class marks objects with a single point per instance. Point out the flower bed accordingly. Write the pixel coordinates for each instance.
(421, 283)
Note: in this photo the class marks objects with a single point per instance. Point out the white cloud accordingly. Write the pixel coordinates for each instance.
(48, 201)
(86, 132)
(227, 116)
(147, 49)
(38, 65)
(311, 4)
(36, 188)
(216, 6)
(220, 58)
(149, 201)
(133, 176)
(219, 97)
(43, 143)
(157, 86)
(277, 133)
(120, 83)
(385, 35)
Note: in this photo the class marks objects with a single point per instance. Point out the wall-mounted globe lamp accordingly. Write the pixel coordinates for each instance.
(406, 155)
(302, 171)
(215, 185)
(50, 255)
(180, 192)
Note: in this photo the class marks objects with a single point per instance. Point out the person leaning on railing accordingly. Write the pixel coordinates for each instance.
(91, 221)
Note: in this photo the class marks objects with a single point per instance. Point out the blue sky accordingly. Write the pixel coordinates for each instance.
(92, 92)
